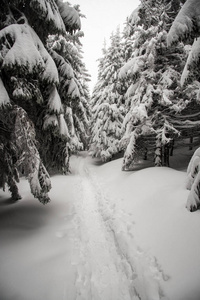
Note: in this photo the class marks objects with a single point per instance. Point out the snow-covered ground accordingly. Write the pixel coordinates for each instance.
(106, 235)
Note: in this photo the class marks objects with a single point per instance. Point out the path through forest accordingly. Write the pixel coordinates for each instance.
(81, 246)
(109, 264)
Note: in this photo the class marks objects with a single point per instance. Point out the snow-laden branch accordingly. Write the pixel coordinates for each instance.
(193, 56)
(17, 54)
(183, 23)
(69, 15)
(4, 98)
(133, 66)
(193, 182)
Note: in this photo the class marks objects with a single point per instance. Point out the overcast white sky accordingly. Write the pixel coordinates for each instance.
(102, 17)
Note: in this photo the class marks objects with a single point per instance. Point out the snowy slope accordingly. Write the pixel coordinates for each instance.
(155, 198)
(106, 235)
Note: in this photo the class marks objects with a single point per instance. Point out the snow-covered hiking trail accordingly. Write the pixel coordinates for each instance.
(81, 246)
(108, 263)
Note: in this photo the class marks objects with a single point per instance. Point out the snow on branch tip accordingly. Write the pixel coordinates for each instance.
(184, 21)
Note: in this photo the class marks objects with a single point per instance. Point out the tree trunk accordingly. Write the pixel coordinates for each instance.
(191, 143)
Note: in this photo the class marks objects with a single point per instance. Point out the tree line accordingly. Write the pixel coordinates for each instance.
(146, 100)
(155, 87)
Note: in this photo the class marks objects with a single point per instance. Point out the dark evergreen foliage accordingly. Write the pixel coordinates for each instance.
(186, 27)
(36, 88)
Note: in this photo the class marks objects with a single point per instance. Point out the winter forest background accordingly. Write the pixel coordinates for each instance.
(145, 102)
(144, 110)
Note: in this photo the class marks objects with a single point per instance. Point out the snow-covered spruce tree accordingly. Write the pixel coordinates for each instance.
(186, 26)
(19, 153)
(74, 94)
(153, 71)
(106, 103)
(193, 182)
(30, 82)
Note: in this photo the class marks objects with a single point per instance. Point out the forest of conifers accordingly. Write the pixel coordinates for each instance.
(146, 100)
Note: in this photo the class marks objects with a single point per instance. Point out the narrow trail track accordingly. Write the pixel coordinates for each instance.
(109, 265)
